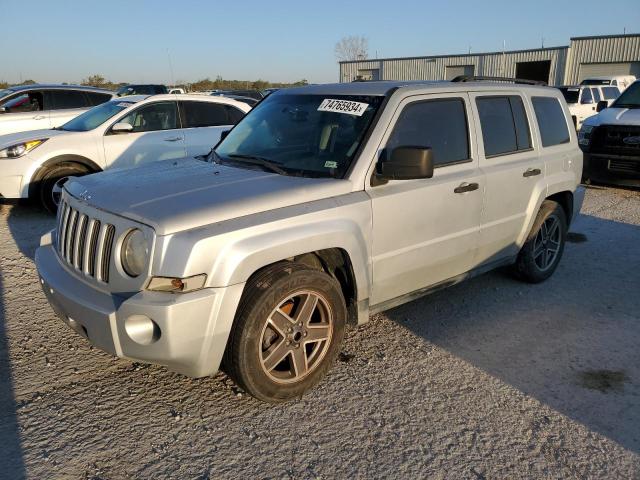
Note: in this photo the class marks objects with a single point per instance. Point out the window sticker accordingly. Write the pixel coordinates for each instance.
(343, 106)
(329, 164)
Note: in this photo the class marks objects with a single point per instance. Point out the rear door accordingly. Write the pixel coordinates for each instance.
(23, 111)
(512, 167)
(156, 136)
(63, 105)
(425, 231)
(204, 122)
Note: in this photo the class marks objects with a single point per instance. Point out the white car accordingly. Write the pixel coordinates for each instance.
(583, 100)
(620, 81)
(124, 132)
(33, 107)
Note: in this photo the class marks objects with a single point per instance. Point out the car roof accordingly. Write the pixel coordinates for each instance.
(384, 87)
(57, 86)
(182, 96)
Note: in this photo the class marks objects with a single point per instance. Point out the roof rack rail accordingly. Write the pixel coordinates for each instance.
(473, 78)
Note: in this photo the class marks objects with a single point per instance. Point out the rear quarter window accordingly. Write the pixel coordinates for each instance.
(551, 121)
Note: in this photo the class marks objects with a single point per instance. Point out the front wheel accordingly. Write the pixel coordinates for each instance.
(287, 332)
(541, 253)
(51, 183)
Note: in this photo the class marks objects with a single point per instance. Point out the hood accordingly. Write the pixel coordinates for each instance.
(21, 137)
(615, 116)
(177, 195)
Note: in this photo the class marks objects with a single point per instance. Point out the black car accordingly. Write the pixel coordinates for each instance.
(141, 90)
(242, 93)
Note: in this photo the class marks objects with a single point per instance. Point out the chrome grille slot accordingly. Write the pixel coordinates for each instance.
(84, 243)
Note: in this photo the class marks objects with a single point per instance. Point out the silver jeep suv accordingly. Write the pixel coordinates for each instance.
(323, 205)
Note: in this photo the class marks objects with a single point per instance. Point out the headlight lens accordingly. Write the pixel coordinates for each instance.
(584, 136)
(19, 149)
(134, 253)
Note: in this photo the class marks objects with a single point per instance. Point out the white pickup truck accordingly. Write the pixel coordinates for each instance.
(323, 205)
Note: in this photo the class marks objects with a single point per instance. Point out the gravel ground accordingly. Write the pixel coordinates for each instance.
(489, 379)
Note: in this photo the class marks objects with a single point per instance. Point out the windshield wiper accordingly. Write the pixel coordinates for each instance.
(256, 160)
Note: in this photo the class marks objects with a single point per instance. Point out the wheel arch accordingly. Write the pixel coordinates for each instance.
(40, 171)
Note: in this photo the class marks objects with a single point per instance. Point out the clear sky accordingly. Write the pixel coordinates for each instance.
(132, 40)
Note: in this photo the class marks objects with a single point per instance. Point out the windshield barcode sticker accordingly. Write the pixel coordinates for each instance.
(343, 106)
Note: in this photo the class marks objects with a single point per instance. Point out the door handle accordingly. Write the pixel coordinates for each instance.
(531, 172)
(39, 117)
(466, 187)
(173, 139)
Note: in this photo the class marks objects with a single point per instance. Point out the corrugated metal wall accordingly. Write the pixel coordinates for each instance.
(615, 49)
(434, 68)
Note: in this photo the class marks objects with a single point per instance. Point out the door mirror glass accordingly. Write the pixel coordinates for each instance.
(122, 127)
(405, 163)
(602, 104)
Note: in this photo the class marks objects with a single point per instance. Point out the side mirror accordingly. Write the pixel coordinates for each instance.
(405, 163)
(122, 127)
(602, 104)
(224, 134)
(3, 109)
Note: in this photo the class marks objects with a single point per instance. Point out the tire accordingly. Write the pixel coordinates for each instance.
(542, 251)
(53, 178)
(262, 334)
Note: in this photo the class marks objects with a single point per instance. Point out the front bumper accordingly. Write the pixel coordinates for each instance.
(190, 330)
(12, 173)
(615, 169)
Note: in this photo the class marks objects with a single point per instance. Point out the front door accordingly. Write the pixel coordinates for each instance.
(204, 122)
(155, 136)
(426, 231)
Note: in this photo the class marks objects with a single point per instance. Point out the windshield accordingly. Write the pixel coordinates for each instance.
(309, 135)
(630, 98)
(95, 117)
(570, 94)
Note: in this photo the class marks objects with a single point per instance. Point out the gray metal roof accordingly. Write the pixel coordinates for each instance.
(384, 86)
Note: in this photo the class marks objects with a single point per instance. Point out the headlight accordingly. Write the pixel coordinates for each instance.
(19, 149)
(584, 136)
(134, 253)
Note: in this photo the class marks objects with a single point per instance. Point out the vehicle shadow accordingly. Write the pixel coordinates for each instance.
(570, 342)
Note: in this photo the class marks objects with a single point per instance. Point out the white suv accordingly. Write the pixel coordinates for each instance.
(33, 107)
(583, 100)
(124, 132)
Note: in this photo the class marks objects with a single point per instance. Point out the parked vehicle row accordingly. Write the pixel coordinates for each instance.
(322, 205)
(123, 132)
(583, 99)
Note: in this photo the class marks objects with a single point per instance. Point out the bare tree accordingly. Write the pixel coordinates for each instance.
(352, 48)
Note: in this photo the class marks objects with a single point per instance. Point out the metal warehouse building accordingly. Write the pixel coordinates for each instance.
(584, 57)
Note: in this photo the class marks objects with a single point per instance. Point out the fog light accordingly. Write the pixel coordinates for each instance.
(141, 329)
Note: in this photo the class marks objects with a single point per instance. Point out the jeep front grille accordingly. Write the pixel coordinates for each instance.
(84, 243)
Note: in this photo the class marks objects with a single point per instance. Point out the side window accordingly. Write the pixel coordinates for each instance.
(97, 98)
(66, 99)
(439, 124)
(153, 117)
(24, 102)
(203, 114)
(610, 93)
(586, 96)
(235, 115)
(596, 95)
(504, 125)
(551, 121)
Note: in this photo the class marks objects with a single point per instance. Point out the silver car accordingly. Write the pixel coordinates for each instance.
(323, 205)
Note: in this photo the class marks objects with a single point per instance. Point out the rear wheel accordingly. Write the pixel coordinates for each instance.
(51, 183)
(287, 332)
(541, 253)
